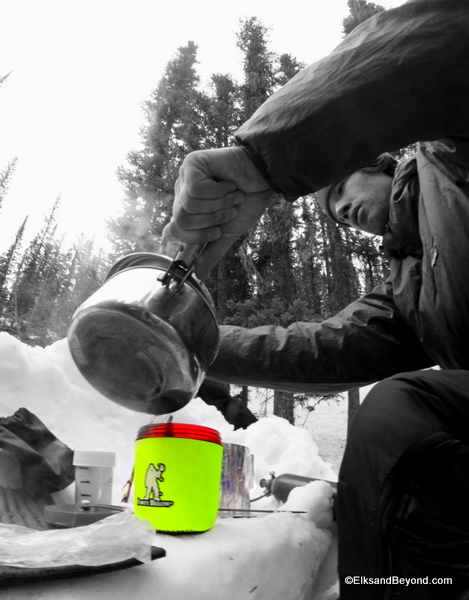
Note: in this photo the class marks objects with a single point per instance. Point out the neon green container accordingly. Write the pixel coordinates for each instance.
(177, 476)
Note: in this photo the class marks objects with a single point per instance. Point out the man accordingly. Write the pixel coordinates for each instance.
(401, 77)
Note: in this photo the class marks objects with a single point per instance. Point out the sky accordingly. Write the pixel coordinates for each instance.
(70, 110)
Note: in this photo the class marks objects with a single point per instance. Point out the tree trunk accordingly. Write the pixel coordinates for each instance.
(222, 293)
(284, 406)
(353, 405)
(244, 396)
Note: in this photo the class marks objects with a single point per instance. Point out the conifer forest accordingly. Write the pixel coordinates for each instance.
(296, 265)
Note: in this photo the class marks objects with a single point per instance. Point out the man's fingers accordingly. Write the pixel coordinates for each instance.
(201, 214)
(196, 205)
(195, 236)
(200, 180)
(209, 189)
(188, 221)
(169, 245)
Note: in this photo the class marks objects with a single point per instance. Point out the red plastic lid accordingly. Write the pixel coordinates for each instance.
(180, 430)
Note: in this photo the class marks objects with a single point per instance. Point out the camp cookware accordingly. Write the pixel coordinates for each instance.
(146, 338)
(280, 486)
(237, 474)
(177, 476)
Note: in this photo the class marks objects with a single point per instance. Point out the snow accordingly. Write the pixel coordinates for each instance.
(276, 556)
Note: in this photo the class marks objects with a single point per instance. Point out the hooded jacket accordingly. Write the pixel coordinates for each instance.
(401, 76)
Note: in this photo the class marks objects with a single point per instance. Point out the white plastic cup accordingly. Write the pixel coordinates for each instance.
(93, 476)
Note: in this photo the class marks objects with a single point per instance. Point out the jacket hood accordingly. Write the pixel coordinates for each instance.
(402, 237)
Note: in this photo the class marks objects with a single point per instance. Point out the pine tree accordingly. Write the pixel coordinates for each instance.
(222, 111)
(269, 250)
(174, 126)
(42, 285)
(8, 265)
(5, 178)
(3, 78)
(258, 65)
(9, 259)
(223, 114)
(360, 10)
(179, 118)
(32, 271)
(74, 275)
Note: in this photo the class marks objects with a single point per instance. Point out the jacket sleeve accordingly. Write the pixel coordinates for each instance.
(366, 342)
(400, 77)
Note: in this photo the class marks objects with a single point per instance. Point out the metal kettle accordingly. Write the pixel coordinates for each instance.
(146, 338)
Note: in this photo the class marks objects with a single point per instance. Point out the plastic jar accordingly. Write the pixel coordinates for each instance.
(177, 476)
(93, 476)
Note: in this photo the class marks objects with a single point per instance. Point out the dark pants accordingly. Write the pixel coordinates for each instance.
(403, 497)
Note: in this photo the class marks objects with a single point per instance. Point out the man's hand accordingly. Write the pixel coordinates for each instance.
(219, 196)
(169, 245)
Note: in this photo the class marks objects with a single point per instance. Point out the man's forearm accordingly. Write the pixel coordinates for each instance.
(366, 342)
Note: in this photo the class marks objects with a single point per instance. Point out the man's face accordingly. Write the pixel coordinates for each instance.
(361, 200)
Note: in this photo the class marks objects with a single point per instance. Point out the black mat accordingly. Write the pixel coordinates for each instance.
(18, 575)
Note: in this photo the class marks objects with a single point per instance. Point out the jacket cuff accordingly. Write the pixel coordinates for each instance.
(261, 166)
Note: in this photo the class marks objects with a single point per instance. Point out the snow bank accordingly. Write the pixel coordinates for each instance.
(274, 556)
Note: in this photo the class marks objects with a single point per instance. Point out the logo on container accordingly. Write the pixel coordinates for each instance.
(153, 477)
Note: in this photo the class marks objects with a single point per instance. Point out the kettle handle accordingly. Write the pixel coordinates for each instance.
(182, 267)
(189, 255)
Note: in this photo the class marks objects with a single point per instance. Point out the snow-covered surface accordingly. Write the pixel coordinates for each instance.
(274, 556)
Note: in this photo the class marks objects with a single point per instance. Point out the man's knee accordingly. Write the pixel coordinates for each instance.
(395, 408)
(380, 414)
(392, 419)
